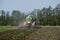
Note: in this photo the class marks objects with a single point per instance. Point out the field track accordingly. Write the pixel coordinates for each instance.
(38, 33)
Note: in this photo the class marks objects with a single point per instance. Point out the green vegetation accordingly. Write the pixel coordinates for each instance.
(44, 16)
(41, 33)
(5, 28)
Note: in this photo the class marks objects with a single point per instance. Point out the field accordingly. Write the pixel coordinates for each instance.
(4, 28)
(40, 33)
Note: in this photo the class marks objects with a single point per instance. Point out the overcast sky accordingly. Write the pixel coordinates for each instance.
(26, 5)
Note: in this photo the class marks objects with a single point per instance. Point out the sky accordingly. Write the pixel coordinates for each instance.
(26, 5)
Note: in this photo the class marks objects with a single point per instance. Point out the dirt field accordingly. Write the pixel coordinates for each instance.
(41, 33)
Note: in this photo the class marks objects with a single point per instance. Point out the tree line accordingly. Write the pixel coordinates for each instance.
(45, 16)
(13, 19)
(49, 16)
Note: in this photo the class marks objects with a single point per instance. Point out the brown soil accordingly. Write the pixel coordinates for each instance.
(43, 33)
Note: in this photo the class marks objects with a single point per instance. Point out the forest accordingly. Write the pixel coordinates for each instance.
(45, 16)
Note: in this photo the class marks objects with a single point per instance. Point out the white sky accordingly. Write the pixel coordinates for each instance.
(26, 5)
